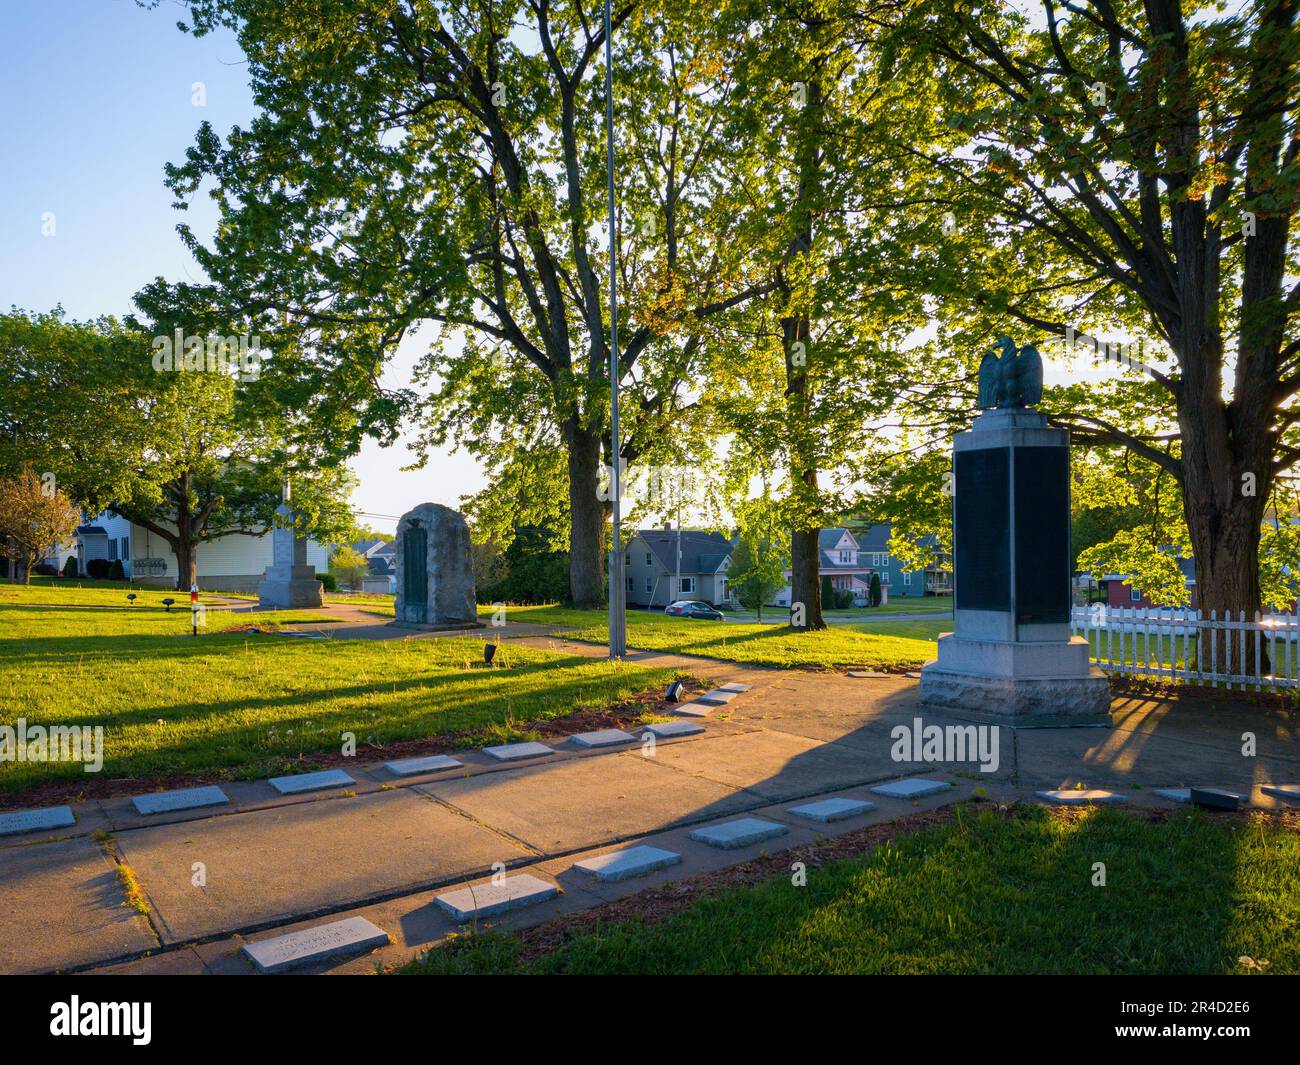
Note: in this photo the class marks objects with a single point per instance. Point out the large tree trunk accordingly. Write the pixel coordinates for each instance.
(805, 579)
(1226, 481)
(805, 550)
(586, 516)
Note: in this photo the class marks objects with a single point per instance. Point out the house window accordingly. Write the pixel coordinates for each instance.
(688, 584)
(884, 560)
(1135, 595)
(875, 561)
(844, 556)
(112, 550)
(650, 584)
(907, 577)
(649, 559)
(125, 553)
(629, 584)
(884, 577)
(627, 559)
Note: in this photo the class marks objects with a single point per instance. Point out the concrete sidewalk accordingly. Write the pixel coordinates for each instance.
(385, 846)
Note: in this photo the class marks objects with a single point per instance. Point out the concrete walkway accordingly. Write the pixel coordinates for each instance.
(386, 846)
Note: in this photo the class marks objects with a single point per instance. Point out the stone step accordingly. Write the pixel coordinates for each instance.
(717, 697)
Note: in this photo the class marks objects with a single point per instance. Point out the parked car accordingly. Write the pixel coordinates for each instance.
(693, 608)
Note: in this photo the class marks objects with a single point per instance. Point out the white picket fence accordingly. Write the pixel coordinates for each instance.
(1162, 643)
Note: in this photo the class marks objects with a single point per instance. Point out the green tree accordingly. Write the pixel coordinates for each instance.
(194, 454)
(349, 566)
(873, 592)
(34, 517)
(1127, 168)
(760, 558)
(443, 163)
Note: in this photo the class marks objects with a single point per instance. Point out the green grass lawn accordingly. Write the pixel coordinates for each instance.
(237, 705)
(984, 893)
(900, 644)
(929, 604)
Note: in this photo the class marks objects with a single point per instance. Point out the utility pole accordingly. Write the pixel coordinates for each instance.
(617, 586)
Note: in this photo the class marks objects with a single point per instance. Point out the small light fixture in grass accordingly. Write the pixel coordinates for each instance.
(489, 652)
(675, 691)
(130, 598)
(168, 604)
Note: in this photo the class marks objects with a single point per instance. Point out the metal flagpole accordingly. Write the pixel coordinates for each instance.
(617, 591)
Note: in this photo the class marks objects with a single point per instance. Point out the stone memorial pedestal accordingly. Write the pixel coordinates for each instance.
(435, 571)
(1011, 658)
(289, 583)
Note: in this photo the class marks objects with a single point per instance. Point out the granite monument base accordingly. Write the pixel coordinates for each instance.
(1022, 684)
(289, 588)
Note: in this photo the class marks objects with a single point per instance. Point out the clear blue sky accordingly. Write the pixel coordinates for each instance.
(98, 96)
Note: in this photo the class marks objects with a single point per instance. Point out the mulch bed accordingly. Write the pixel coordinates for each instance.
(96, 786)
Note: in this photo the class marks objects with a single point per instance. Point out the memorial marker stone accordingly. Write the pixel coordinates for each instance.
(513, 752)
(1011, 658)
(162, 802)
(668, 730)
(289, 583)
(325, 778)
(605, 737)
(828, 810)
(625, 864)
(911, 788)
(435, 570)
(1081, 796)
(742, 832)
(36, 820)
(489, 899)
(434, 763)
(353, 935)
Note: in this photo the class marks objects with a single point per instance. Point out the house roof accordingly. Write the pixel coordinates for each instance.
(828, 538)
(380, 566)
(91, 530)
(875, 538)
(702, 552)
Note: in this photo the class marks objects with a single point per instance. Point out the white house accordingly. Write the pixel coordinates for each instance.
(233, 563)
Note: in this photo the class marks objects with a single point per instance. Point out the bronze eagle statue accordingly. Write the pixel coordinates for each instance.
(1014, 379)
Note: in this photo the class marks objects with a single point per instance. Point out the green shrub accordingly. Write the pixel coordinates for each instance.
(117, 572)
(97, 569)
(70, 567)
(328, 582)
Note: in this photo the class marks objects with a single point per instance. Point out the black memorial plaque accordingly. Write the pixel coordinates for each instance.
(1042, 535)
(981, 529)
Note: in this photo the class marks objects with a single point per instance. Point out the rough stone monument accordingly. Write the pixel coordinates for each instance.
(289, 583)
(1011, 658)
(435, 570)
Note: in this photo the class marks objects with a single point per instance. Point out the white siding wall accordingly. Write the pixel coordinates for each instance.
(225, 557)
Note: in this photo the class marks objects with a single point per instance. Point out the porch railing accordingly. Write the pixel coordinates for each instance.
(1181, 646)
